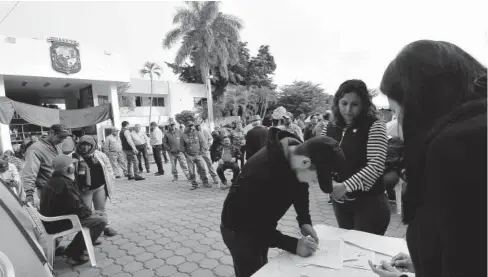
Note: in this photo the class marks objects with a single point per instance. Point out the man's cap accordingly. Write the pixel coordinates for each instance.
(288, 115)
(190, 123)
(255, 117)
(61, 129)
(327, 157)
(153, 124)
(171, 121)
(61, 162)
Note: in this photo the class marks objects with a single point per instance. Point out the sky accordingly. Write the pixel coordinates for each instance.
(326, 42)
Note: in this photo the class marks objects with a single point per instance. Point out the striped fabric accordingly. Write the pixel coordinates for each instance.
(375, 155)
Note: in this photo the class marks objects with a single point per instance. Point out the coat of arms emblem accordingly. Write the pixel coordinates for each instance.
(65, 55)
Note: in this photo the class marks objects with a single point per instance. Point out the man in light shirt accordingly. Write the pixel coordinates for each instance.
(141, 141)
(113, 148)
(206, 151)
(130, 151)
(156, 142)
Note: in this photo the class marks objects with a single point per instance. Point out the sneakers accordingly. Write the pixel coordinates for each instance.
(194, 186)
(148, 171)
(109, 232)
(77, 260)
(159, 173)
(224, 186)
(97, 242)
(216, 181)
(175, 178)
(207, 185)
(59, 251)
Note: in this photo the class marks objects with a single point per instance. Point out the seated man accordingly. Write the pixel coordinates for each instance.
(61, 197)
(230, 154)
(9, 175)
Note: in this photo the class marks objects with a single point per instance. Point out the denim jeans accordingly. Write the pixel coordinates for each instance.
(118, 162)
(247, 254)
(208, 161)
(199, 163)
(175, 158)
(142, 152)
(223, 167)
(132, 169)
(369, 214)
(96, 223)
(157, 149)
(95, 199)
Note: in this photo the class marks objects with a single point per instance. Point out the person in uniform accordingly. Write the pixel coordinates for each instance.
(271, 182)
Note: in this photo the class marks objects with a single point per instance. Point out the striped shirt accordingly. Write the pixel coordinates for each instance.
(375, 155)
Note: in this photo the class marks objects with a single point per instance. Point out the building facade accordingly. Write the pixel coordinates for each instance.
(75, 75)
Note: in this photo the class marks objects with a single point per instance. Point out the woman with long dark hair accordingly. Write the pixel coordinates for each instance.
(359, 196)
(439, 92)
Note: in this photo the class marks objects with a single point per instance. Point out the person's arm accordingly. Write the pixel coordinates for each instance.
(299, 133)
(203, 144)
(15, 173)
(128, 136)
(76, 203)
(108, 166)
(237, 153)
(456, 186)
(284, 242)
(301, 205)
(183, 143)
(375, 155)
(106, 145)
(29, 174)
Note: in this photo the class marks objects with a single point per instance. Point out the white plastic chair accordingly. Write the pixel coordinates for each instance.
(51, 238)
(6, 266)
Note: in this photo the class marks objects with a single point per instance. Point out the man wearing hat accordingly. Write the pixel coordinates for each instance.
(193, 145)
(273, 180)
(38, 160)
(172, 144)
(256, 137)
(113, 148)
(291, 127)
(61, 196)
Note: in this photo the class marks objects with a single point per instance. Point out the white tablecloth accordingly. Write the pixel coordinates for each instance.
(284, 265)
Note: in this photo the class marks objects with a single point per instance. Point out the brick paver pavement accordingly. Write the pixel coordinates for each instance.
(167, 230)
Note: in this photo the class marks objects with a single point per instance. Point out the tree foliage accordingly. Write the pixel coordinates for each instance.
(304, 97)
(184, 117)
(125, 100)
(152, 69)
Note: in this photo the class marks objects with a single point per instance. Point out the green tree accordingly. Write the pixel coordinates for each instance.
(184, 117)
(303, 97)
(152, 69)
(210, 38)
(125, 100)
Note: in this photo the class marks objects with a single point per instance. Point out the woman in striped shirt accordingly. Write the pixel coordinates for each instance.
(360, 202)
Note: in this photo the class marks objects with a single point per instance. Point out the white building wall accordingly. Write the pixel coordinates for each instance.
(31, 57)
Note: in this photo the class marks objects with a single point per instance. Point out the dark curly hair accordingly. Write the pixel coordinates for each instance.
(368, 108)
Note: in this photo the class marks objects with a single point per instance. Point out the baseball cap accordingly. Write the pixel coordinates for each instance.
(61, 161)
(61, 129)
(327, 157)
(255, 117)
(287, 115)
(190, 123)
(153, 124)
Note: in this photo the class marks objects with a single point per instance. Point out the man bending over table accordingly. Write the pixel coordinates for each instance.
(272, 180)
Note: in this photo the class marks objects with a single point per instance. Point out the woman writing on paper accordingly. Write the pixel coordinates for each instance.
(439, 91)
(359, 196)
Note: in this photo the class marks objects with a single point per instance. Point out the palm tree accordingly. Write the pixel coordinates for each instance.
(151, 69)
(209, 37)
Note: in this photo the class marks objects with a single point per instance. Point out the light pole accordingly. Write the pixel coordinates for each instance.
(209, 102)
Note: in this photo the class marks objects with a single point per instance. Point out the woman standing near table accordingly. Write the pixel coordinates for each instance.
(439, 91)
(360, 202)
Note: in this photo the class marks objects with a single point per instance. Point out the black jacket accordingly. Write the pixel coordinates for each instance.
(445, 201)
(255, 140)
(61, 196)
(263, 193)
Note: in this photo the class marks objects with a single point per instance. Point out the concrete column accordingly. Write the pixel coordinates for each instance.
(113, 97)
(5, 142)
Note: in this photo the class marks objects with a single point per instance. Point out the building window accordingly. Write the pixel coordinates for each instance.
(143, 101)
(102, 99)
(158, 101)
(199, 101)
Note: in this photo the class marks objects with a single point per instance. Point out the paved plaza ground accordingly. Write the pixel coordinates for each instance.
(167, 230)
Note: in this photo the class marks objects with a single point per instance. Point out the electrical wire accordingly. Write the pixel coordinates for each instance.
(9, 12)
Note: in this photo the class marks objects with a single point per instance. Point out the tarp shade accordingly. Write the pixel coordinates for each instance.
(18, 237)
(46, 117)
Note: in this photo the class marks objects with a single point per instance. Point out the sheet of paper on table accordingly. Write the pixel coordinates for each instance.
(381, 244)
(357, 257)
(329, 254)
